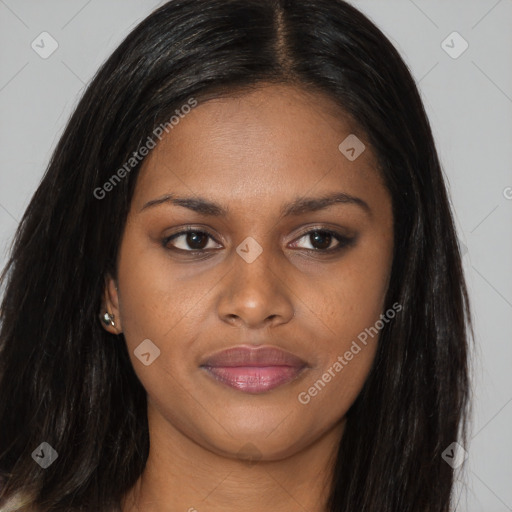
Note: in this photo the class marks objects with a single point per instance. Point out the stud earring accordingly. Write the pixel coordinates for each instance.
(108, 319)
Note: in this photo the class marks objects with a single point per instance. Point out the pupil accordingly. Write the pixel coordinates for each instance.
(192, 240)
(324, 240)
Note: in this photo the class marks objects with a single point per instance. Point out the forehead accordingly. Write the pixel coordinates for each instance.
(274, 141)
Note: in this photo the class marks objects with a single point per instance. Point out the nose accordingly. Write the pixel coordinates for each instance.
(255, 294)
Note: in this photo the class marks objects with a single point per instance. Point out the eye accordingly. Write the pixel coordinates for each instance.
(189, 240)
(324, 240)
(193, 240)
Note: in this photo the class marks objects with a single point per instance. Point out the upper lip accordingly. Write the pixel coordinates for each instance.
(253, 356)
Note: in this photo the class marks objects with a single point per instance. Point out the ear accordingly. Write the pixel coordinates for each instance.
(110, 304)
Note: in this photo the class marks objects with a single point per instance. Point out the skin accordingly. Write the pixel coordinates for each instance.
(250, 153)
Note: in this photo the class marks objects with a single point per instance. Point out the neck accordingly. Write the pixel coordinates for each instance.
(183, 475)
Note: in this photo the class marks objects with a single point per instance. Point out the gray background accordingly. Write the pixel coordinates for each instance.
(468, 100)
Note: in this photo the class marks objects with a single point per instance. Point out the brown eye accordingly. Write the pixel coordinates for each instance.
(196, 240)
(325, 241)
(321, 239)
(189, 240)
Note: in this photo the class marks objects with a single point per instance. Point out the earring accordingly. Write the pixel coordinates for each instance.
(108, 319)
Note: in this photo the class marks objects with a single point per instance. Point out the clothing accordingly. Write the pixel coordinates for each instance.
(15, 504)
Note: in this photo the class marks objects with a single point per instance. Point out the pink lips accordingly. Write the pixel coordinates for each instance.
(254, 370)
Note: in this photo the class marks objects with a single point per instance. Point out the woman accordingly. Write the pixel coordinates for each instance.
(238, 283)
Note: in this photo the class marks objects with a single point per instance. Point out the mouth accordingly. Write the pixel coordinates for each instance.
(254, 370)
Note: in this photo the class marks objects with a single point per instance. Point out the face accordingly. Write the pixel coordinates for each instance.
(269, 262)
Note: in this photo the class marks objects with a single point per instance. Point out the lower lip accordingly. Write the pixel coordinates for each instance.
(254, 379)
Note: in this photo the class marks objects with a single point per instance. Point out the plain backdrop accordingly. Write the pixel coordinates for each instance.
(468, 98)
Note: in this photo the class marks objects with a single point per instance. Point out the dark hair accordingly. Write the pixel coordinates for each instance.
(65, 381)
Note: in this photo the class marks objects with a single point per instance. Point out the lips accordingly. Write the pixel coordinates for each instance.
(254, 370)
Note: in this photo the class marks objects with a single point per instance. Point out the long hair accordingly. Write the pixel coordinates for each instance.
(67, 382)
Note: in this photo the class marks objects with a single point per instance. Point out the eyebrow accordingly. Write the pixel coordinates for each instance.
(298, 206)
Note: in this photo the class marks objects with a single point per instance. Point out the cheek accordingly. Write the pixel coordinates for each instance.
(157, 305)
(351, 296)
(346, 349)
(154, 297)
(327, 397)
(348, 310)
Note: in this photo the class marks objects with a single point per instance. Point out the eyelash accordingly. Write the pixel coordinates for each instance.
(343, 241)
